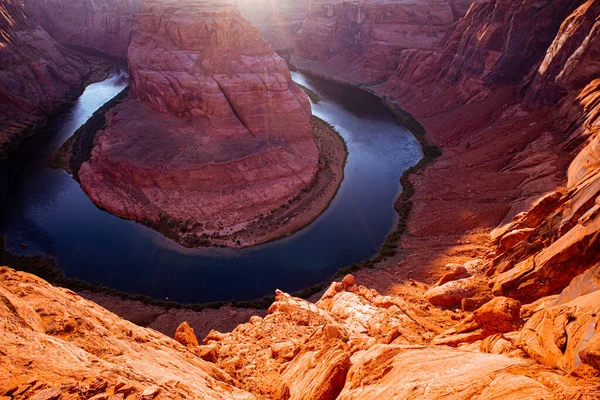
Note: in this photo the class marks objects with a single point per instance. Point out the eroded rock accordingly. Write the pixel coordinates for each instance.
(55, 342)
(556, 335)
(216, 134)
(452, 293)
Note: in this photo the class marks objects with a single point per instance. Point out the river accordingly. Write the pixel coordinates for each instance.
(48, 211)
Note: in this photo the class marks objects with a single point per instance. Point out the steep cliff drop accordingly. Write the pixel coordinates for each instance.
(360, 42)
(514, 108)
(216, 134)
(36, 74)
(510, 92)
(107, 26)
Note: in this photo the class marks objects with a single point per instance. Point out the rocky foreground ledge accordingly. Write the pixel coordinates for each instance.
(352, 344)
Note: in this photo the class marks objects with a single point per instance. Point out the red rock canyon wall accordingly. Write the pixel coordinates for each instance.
(36, 73)
(362, 41)
(107, 26)
(518, 178)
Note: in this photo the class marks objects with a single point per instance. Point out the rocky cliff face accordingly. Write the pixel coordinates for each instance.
(473, 101)
(362, 41)
(36, 73)
(518, 178)
(514, 107)
(216, 133)
(106, 26)
(491, 47)
(109, 25)
(277, 20)
(559, 236)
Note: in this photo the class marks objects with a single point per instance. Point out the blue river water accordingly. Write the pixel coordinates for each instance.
(48, 211)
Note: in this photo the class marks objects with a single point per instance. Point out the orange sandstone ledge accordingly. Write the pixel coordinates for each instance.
(352, 344)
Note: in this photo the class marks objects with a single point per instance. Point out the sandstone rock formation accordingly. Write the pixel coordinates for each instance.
(185, 335)
(562, 228)
(514, 107)
(350, 345)
(499, 315)
(106, 25)
(452, 293)
(109, 26)
(559, 336)
(362, 41)
(508, 164)
(37, 74)
(55, 344)
(216, 134)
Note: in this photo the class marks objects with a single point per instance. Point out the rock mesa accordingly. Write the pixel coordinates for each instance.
(215, 135)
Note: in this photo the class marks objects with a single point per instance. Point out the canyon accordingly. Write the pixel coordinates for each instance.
(105, 26)
(493, 291)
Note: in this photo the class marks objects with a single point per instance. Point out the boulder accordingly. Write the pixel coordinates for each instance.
(348, 281)
(501, 314)
(450, 294)
(185, 335)
(453, 272)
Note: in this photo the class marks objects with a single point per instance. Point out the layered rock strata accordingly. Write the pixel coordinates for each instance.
(56, 345)
(107, 26)
(512, 202)
(517, 175)
(362, 42)
(513, 198)
(216, 134)
(37, 74)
